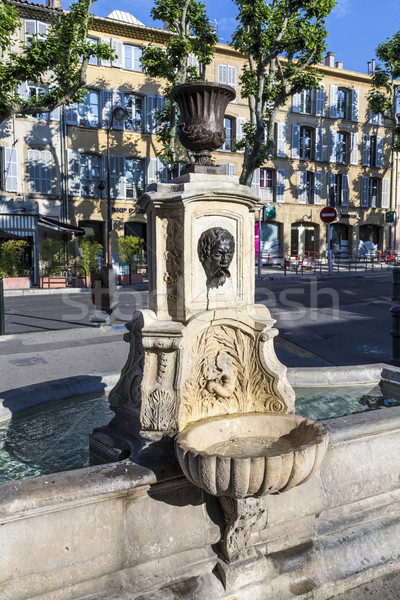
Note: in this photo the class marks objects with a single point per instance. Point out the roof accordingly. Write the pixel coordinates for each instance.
(125, 17)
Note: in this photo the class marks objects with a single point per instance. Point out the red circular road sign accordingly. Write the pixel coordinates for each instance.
(328, 214)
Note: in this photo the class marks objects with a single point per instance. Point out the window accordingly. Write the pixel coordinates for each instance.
(93, 60)
(343, 103)
(89, 111)
(134, 171)
(90, 174)
(227, 75)
(338, 189)
(372, 151)
(374, 192)
(132, 57)
(39, 172)
(134, 109)
(267, 185)
(306, 187)
(37, 29)
(306, 144)
(9, 169)
(35, 93)
(376, 118)
(342, 146)
(228, 145)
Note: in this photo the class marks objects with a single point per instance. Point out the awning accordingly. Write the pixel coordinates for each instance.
(5, 235)
(55, 225)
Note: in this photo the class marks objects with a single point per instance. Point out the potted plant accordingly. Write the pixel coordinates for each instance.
(131, 255)
(88, 259)
(15, 275)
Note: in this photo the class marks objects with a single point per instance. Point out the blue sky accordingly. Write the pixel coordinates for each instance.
(355, 27)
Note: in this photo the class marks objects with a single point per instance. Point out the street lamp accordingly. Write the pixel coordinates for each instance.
(119, 114)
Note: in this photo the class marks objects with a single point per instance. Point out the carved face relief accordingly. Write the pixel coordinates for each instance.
(216, 248)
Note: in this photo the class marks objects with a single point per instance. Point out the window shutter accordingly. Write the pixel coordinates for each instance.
(319, 144)
(10, 169)
(281, 145)
(71, 114)
(42, 30)
(345, 190)
(74, 173)
(106, 102)
(55, 114)
(29, 29)
(151, 107)
(33, 169)
(105, 62)
(332, 146)
(117, 176)
(320, 103)
(117, 100)
(192, 61)
(46, 178)
(162, 171)
(223, 74)
(280, 185)
(318, 187)
(23, 90)
(354, 149)
(151, 171)
(118, 48)
(366, 145)
(240, 121)
(232, 76)
(385, 193)
(295, 141)
(333, 101)
(296, 103)
(364, 191)
(381, 120)
(379, 151)
(255, 182)
(355, 94)
(302, 187)
(330, 184)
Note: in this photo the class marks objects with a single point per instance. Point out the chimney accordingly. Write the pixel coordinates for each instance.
(54, 3)
(339, 64)
(330, 59)
(373, 66)
(369, 67)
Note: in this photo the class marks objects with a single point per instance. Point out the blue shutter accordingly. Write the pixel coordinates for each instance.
(280, 185)
(106, 103)
(296, 103)
(364, 191)
(332, 146)
(302, 187)
(345, 190)
(295, 141)
(366, 146)
(10, 169)
(354, 149)
(74, 173)
(354, 105)
(320, 103)
(118, 47)
(281, 145)
(385, 193)
(379, 151)
(333, 101)
(318, 187)
(71, 114)
(319, 144)
(330, 183)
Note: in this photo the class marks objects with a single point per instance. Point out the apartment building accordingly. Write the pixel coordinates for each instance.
(328, 148)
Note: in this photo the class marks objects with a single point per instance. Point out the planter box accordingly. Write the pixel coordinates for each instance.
(134, 278)
(80, 282)
(51, 283)
(16, 283)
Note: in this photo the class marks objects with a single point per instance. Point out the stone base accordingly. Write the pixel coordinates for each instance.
(239, 574)
(204, 170)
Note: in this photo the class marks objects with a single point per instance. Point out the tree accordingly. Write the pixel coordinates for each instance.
(190, 34)
(384, 93)
(56, 64)
(283, 41)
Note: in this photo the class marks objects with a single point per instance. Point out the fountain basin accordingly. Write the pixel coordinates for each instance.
(251, 454)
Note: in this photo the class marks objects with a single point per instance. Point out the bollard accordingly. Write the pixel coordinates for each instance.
(396, 283)
(396, 335)
(2, 326)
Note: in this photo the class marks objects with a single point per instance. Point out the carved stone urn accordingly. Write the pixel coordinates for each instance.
(202, 107)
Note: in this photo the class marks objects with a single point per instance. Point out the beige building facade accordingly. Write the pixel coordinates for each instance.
(328, 148)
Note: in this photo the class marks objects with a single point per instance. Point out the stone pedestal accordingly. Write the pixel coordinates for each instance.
(200, 351)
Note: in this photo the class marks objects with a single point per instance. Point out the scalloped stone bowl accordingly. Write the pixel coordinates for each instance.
(251, 454)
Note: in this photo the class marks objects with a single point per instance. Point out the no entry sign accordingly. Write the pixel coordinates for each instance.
(328, 214)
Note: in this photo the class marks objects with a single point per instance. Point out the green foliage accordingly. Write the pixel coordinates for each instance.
(12, 258)
(88, 255)
(131, 250)
(283, 40)
(51, 254)
(383, 95)
(58, 63)
(191, 34)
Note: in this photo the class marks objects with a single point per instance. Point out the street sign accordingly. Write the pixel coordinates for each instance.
(328, 214)
(391, 216)
(269, 212)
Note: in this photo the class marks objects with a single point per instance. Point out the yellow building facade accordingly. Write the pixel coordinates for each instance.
(328, 148)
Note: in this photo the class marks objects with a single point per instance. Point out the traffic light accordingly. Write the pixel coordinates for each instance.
(390, 216)
(269, 212)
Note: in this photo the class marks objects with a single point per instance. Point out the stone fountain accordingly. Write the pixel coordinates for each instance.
(202, 383)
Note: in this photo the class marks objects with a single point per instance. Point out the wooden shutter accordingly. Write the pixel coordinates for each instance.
(333, 101)
(332, 146)
(240, 121)
(318, 187)
(232, 76)
(74, 173)
(71, 114)
(118, 47)
(255, 182)
(295, 141)
(223, 74)
(364, 191)
(151, 107)
(385, 193)
(281, 145)
(230, 168)
(117, 176)
(319, 144)
(296, 103)
(354, 148)
(320, 102)
(105, 62)
(330, 183)
(280, 185)
(46, 172)
(10, 169)
(366, 146)
(345, 190)
(106, 111)
(302, 187)
(379, 151)
(29, 29)
(23, 90)
(355, 94)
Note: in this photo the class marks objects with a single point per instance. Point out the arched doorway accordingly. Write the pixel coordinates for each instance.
(368, 244)
(340, 240)
(304, 239)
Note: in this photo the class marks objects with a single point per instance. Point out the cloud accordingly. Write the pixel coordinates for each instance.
(226, 26)
(342, 9)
